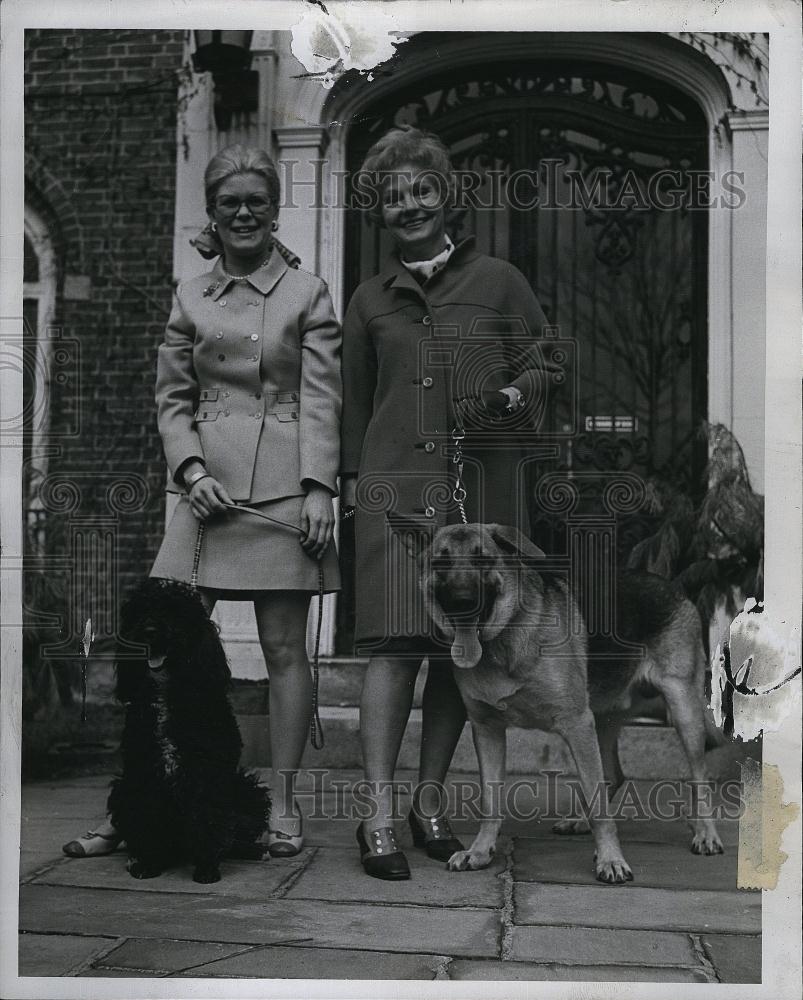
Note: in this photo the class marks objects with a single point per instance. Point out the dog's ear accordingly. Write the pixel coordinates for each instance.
(415, 537)
(513, 542)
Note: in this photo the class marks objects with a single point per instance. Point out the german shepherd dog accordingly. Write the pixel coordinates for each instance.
(522, 657)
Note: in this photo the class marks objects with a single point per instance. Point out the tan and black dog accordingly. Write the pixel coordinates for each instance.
(521, 656)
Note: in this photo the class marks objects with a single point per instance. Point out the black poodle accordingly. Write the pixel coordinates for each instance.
(182, 795)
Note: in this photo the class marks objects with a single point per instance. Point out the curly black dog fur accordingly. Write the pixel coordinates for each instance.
(182, 795)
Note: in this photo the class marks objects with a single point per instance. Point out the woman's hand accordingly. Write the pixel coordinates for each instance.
(207, 497)
(317, 521)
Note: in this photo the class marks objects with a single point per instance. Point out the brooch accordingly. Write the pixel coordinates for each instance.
(211, 288)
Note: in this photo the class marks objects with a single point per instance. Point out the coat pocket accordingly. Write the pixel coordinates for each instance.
(209, 395)
(206, 415)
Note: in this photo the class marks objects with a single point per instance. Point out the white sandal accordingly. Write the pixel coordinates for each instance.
(92, 844)
(286, 845)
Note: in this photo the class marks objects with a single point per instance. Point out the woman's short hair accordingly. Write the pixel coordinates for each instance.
(399, 146)
(239, 159)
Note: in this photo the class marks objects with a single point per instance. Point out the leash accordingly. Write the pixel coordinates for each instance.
(458, 436)
(315, 728)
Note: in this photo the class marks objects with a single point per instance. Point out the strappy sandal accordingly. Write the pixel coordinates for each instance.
(92, 844)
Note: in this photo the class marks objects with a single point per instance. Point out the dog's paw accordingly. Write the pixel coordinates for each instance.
(465, 861)
(143, 869)
(613, 870)
(707, 842)
(565, 827)
(206, 874)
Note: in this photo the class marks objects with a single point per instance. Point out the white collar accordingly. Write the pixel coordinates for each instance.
(426, 268)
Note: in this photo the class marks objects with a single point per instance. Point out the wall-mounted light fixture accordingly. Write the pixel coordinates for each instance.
(227, 56)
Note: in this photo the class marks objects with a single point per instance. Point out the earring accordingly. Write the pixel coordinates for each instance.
(213, 226)
(274, 225)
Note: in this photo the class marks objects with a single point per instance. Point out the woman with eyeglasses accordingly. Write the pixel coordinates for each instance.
(248, 393)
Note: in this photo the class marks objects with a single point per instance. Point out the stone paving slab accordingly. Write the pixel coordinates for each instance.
(737, 958)
(602, 946)
(638, 909)
(139, 955)
(489, 971)
(630, 831)
(665, 866)
(255, 878)
(254, 920)
(56, 954)
(338, 875)
(322, 963)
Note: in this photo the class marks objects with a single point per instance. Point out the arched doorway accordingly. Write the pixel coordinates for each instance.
(618, 261)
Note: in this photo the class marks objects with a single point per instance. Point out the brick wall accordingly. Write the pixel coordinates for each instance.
(100, 162)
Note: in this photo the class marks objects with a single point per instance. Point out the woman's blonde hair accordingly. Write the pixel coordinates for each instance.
(399, 146)
(239, 159)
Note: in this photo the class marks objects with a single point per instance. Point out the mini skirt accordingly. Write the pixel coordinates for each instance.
(242, 554)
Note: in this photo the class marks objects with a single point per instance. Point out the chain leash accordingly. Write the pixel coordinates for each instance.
(458, 436)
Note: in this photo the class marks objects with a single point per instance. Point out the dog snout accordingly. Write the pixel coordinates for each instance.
(459, 596)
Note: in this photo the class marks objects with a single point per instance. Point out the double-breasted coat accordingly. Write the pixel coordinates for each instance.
(408, 350)
(249, 381)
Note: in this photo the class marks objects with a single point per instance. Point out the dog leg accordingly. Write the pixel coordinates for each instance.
(581, 736)
(490, 744)
(686, 706)
(608, 735)
(144, 867)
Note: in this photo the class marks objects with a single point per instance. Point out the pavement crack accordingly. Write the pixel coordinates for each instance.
(281, 890)
(707, 966)
(44, 869)
(508, 905)
(96, 956)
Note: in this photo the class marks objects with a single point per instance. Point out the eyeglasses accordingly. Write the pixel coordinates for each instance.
(257, 204)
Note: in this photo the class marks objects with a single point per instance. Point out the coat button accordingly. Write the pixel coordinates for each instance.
(227, 394)
(257, 395)
(427, 382)
(222, 303)
(254, 336)
(429, 446)
(257, 415)
(219, 335)
(225, 413)
(221, 357)
(253, 358)
(429, 512)
(426, 320)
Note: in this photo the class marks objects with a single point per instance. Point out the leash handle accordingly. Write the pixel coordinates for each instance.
(315, 727)
(196, 556)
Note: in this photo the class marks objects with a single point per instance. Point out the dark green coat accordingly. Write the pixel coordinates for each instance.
(408, 349)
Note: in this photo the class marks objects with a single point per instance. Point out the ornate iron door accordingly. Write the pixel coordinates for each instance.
(607, 171)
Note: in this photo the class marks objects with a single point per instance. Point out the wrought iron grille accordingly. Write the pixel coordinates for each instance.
(622, 277)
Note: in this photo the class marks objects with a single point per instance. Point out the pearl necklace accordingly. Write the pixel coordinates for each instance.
(242, 277)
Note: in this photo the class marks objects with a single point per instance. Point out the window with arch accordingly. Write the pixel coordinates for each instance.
(38, 313)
